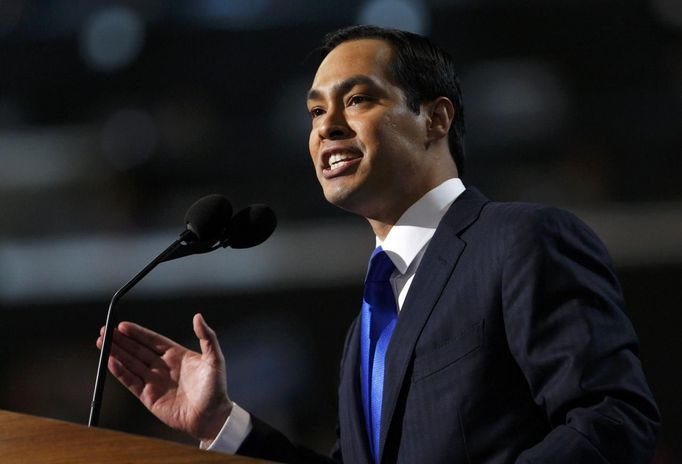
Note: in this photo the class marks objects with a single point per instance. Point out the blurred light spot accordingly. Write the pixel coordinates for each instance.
(512, 101)
(669, 11)
(112, 38)
(400, 14)
(129, 138)
(229, 12)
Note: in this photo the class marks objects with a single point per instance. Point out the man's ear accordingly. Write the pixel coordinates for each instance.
(441, 113)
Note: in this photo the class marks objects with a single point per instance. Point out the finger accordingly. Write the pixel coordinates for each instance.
(134, 349)
(207, 338)
(148, 338)
(100, 339)
(129, 380)
(141, 353)
(133, 364)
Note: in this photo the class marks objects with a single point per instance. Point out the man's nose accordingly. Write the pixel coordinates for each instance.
(335, 125)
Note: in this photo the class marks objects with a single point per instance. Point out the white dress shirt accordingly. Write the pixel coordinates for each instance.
(405, 244)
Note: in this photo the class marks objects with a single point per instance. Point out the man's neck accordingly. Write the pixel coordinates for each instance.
(383, 225)
(386, 218)
(380, 228)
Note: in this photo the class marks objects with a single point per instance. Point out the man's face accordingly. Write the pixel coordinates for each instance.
(366, 144)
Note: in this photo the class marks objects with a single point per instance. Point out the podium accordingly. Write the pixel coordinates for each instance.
(27, 440)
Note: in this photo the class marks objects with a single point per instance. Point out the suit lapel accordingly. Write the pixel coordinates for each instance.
(354, 438)
(437, 265)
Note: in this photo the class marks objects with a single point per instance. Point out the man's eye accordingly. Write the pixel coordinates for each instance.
(357, 99)
(315, 112)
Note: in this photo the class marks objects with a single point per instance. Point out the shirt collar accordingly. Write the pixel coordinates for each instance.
(418, 223)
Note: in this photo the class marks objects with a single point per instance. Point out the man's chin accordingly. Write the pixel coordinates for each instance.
(343, 198)
(337, 200)
(349, 200)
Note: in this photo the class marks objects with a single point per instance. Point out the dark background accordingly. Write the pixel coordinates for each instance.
(116, 116)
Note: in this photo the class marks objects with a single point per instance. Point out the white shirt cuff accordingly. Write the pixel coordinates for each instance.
(235, 430)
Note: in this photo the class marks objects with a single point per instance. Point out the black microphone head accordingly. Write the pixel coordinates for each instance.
(209, 217)
(250, 227)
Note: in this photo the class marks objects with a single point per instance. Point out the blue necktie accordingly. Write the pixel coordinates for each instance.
(378, 317)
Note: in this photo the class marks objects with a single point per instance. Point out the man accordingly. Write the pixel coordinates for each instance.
(507, 340)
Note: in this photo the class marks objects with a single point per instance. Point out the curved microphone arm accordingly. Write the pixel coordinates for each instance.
(96, 404)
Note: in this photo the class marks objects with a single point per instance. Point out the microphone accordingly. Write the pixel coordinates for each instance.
(206, 221)
(209, 226)
(208, 217)
(251, 226)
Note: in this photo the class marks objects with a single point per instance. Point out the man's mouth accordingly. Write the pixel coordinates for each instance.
(340, 163)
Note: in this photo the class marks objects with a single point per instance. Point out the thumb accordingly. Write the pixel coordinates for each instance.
(207, 338)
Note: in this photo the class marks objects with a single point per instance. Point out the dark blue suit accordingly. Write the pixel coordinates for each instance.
(512, 346)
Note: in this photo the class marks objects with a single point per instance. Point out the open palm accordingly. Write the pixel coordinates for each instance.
(186, 390)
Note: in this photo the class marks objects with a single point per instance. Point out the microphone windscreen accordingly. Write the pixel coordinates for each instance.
(208, 217)
(251, 226)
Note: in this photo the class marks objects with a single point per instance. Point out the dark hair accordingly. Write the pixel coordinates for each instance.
(420, 68)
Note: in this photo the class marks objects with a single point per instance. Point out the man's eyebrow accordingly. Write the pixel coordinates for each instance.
(343, 86)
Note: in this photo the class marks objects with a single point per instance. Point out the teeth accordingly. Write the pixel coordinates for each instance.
(337, 158)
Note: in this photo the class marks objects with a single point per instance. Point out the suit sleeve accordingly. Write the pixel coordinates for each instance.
(568, 332)
(265, 442)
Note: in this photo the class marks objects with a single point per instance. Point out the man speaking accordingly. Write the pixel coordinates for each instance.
(489, 332)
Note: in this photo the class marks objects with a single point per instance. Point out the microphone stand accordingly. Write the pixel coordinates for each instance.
(168, 254)
(249, 227)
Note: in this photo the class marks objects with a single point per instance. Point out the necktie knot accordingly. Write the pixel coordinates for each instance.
(378, 292)
(380, 266)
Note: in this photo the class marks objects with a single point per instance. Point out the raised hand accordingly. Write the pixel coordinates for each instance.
(186, 390)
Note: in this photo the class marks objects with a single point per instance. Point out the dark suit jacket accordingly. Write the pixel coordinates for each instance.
(512, 346)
